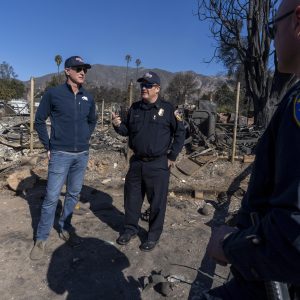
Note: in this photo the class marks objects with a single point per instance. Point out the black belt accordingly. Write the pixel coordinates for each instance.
(146, 158)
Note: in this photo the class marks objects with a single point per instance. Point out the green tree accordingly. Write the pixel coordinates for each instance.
(225, 98)
(128, 60)
(7, 71)
(109, 95)
(58, 60)
(10, 87)
(182, 88)
(55, 81)
(137, 63)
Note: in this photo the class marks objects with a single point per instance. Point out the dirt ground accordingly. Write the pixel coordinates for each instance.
(100, 268)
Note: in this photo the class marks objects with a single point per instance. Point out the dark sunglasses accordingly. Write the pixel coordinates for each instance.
(271, 27)
(79, 69)
(147, 85)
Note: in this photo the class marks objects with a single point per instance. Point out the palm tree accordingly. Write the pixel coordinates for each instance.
(128, 60)
(137, 62)
(58, 60)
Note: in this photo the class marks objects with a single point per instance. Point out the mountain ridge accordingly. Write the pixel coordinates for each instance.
(115, 76)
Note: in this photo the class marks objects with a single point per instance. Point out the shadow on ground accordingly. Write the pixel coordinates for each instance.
(98, 202)
(206, 272)
(91, 199)
(93, 270)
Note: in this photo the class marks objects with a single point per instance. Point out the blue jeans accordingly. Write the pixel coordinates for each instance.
(63, 167)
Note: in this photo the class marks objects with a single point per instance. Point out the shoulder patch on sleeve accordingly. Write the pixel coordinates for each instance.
(297, 110)
(178, 115)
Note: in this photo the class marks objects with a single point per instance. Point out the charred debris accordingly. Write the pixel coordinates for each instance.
(209, 135)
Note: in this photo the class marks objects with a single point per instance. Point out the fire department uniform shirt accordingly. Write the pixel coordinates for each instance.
(154, 129)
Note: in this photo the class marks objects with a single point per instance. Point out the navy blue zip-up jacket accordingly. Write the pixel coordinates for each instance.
(73, 119)
(153, 129)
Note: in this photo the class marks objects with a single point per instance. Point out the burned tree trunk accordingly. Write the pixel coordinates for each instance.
(280, 85)
(240, 26)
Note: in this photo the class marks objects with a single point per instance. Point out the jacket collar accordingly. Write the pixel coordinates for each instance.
(80, 90)
(156, 104)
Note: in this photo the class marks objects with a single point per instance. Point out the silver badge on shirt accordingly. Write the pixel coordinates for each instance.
(161, 112)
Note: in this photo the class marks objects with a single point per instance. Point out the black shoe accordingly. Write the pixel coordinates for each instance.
(125, 238)
(148, 246)
(70, 237)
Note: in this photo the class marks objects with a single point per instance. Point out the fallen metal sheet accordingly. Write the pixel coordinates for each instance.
(187, 166)
(178, 174)
(190, 165)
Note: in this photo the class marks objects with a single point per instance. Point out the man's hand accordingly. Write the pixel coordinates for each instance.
(48, 154)
(171, 163)
(116, 120)
(214, 247)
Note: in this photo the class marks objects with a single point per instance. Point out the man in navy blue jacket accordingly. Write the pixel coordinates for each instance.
(73, 118)
(265, 247)
(156, 136)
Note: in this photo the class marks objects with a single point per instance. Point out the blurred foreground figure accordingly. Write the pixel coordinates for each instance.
(264, 249)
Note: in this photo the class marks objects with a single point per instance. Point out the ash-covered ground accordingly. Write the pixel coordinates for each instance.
(100, 268)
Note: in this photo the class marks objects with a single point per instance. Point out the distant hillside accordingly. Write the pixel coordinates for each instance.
(114, 76)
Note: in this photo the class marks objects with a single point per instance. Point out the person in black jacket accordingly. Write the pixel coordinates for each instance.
(73, 118)
(264, 249)
(156, 136)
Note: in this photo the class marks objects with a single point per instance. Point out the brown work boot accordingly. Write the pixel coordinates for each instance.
(38, 250)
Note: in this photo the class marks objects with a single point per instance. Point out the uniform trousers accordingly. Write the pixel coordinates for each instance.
(150, 178)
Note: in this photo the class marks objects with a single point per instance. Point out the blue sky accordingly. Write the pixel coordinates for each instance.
(163, 34)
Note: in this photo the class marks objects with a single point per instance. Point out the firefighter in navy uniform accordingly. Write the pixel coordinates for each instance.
(156, 136)
(265, 247)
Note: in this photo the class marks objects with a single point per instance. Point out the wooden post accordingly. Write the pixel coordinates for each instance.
(110, 117)
(198, 194)
(31, 112)
(130, 93)
(130, 96)
(235, 121)
(102, 114)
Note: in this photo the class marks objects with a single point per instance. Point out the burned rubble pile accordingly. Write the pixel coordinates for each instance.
(14, 141)
(15, 136)
(203, 167)
(208, 129)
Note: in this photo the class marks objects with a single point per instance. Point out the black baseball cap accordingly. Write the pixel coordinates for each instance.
(150, 77)
(76, 61)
